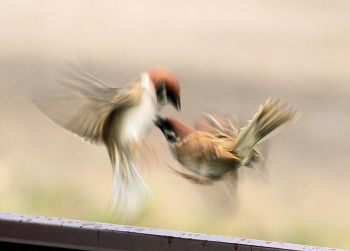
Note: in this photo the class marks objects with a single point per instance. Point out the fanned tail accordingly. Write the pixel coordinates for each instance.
(130, 193)
(267, 119)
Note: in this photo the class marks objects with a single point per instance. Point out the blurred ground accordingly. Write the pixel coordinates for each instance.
(230, 56)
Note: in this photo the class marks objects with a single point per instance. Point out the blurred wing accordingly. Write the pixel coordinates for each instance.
(219, 128)
(216, 124)
(82, 102)
(269, 118)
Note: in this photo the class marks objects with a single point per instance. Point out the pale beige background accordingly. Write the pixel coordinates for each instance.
(230, 56)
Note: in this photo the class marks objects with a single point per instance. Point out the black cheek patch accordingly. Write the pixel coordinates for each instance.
(161, 93)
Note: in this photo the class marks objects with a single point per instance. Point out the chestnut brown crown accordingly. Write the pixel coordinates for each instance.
(173, 129)
(166, 84)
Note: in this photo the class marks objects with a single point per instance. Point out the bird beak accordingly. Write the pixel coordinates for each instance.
(178, 105)
(159, 122)
(167, 129)
(175, 101)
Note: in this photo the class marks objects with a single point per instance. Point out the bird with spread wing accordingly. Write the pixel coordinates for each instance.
(215, 147)
(119, 118)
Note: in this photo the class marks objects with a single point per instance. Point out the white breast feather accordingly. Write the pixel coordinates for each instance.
(138, 121)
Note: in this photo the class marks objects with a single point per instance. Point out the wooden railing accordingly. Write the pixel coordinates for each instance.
(24, 232)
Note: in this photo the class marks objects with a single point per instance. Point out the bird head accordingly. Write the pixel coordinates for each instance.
(173, 129)
(167, 86)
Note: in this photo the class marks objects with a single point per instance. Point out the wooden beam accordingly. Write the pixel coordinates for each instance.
(46, 233)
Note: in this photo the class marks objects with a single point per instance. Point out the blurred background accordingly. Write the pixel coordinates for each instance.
(230, 56)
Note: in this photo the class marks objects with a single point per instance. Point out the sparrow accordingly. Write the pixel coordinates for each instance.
(120, 118)
(215, 147)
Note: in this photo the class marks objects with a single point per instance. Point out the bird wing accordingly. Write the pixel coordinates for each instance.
(219, 129)
(216, 124)
(269, 117)
(83, 102)
(87, 106)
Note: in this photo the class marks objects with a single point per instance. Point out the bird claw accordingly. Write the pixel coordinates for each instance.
(198, 180)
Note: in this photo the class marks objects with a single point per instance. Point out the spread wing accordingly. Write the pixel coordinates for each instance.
(82, 102)
(218, 128)
(268, 119)
(215, 124)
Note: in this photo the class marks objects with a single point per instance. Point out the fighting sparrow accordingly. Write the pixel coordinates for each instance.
(216, 147)
(119, 118)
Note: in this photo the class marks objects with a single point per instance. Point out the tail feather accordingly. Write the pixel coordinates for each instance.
(267, 119)
(130, 193)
